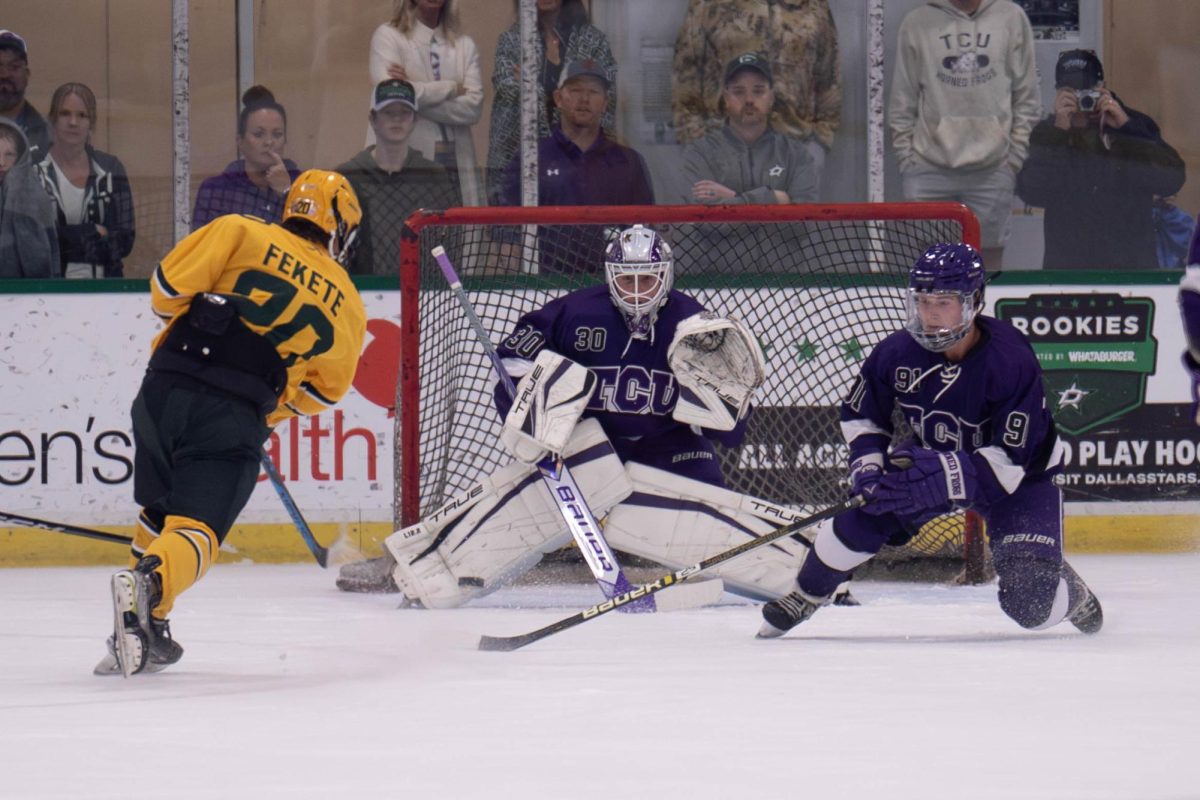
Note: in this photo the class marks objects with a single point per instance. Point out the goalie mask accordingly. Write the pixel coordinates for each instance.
(326, 200)
(639, 272)
(945, 292)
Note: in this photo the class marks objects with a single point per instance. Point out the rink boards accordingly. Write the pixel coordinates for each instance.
(72, 360)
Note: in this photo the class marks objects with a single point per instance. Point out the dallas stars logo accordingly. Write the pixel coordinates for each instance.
(775, 171)
(1072, 397)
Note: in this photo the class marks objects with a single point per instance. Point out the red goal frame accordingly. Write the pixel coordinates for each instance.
(408, 411)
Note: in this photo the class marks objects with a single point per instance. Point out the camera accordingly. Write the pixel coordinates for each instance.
(1088, 100)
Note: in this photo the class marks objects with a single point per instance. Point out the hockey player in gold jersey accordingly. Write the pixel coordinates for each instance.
(263, 323)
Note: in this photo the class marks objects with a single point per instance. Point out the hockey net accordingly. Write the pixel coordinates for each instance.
(819, 284)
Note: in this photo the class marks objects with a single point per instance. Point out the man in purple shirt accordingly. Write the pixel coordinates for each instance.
(578, 165)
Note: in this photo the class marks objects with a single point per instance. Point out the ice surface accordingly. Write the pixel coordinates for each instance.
(290, 689)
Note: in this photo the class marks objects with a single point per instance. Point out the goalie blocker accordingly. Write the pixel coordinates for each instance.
(503, 525)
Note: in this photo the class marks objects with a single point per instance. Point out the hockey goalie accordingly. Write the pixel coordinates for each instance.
(631, 383)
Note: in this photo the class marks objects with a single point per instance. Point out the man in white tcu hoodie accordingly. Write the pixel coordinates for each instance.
(964, 99)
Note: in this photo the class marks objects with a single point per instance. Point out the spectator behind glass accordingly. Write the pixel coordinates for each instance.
(424, 45)
(258, 181)
(746, 161)
(579, 165)
(14, 77)
(964, 99)
(565, 35)
(799, 42)
(392, 180)
(90, 189)
(1095, 165)
(28, 237)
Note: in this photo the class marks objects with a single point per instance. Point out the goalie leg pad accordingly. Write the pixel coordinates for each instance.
(502, 526)
(678, 522)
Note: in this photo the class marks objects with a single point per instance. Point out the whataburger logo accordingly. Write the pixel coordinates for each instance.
(1096, 352)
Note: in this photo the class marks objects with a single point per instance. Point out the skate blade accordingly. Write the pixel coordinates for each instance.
(768, 631)
(108, 667)
(128, 647)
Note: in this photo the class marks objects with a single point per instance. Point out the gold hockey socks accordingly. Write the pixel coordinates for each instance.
(187, 548)
(143, 536)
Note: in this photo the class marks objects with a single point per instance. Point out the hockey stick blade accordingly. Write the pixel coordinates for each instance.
(321, 554)
(62, 527)
(509, 643)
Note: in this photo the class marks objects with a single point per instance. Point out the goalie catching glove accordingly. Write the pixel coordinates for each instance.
(718, 364)
(549, 401)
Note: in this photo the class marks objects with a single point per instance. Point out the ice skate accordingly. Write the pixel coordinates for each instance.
(1085, 612)
(780, 616)
(163, 653)
(842, 596)
(373, 576)
(138, 639)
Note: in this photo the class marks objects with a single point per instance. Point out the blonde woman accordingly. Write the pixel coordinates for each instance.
(90, 189)
(424, 45)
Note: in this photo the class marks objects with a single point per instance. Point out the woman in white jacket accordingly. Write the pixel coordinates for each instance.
(424, 45)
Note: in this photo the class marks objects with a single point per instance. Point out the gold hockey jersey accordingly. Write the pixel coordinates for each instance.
(286, 289)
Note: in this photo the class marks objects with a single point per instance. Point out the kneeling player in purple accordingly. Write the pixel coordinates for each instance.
(970, 386)
(630, 382)
(1189, 309)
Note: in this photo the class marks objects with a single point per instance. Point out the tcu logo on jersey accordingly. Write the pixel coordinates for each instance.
(634, 390)
(942, 430)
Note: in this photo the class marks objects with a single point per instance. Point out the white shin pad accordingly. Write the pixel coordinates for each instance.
(502, 526)
(678, 522)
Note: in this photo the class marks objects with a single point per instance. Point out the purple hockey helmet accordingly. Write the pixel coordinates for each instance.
(639, 271)
(945, 292)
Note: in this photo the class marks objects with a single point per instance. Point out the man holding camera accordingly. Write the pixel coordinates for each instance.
(1096, 166)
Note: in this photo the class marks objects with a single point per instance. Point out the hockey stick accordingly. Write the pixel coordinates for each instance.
(513, 642)
(321, 554)
(563, 489)
(62, 527)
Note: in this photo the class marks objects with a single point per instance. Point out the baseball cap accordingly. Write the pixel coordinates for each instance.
(1077, 69)
(580, 69)
(394, 90)
(749, 61)
(11, 41)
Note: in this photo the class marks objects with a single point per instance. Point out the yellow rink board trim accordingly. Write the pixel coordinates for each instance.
(280, 543)
(273, 543)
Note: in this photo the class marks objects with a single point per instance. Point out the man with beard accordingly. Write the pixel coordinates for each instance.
(14, 77)
(746, 161)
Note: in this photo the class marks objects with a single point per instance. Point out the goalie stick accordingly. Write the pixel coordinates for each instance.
(62, 527)
(566, 495)
(507, 643)
(321, 554)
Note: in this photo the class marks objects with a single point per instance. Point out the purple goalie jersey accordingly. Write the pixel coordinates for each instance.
(636, 391)
(991, 405)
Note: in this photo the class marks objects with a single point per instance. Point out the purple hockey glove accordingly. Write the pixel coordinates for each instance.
(1194, 369)
(934, 481)
(865, 473)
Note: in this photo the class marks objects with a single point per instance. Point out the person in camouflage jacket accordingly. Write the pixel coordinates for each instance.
(796, 37)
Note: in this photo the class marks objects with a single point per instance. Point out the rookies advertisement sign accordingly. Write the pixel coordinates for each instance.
(1098, 352)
